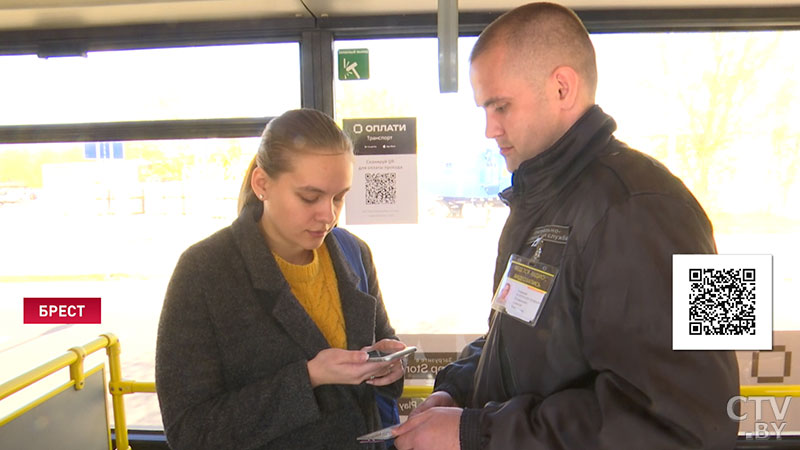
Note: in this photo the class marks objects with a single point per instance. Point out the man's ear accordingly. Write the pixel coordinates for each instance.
(260, 183)
(567, 82)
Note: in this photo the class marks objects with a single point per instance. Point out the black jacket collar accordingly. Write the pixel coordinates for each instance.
(549, 172)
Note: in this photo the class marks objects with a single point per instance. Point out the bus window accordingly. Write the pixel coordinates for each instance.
(155, 84)
(732, 138)
(436, 276)
(109, 219)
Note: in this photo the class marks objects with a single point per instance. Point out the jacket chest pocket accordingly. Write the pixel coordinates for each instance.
(546, 244)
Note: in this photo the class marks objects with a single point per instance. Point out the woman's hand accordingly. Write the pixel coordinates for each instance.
(386, 346)
(338, 366)
(388, 372)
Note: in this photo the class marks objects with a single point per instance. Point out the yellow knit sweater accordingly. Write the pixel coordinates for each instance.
(315, 286)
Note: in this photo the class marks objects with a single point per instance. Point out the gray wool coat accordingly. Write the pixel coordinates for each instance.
(233, 343)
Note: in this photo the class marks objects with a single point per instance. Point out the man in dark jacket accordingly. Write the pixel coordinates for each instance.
(593, 368)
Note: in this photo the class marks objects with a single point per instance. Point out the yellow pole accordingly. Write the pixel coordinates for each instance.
(417, 391)
(76, 369)
(143, 386)
(115, 377)
(132, 387)
(770, 390)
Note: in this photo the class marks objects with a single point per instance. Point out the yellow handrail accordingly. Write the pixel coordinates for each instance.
(117, 402)
(118, 387)
(74, 358)
(770, 390)
(133, 387)
(417, 391)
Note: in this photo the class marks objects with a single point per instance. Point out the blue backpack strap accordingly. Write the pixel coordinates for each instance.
(352, 254)
(387, 407)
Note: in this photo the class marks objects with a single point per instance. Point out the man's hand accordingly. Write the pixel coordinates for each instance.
(434, 429)
(439, 398)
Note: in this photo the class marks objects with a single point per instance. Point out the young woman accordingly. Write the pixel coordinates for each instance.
(263, 335)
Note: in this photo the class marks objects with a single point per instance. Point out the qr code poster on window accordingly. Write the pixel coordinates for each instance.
(722, 302)
(384, 189)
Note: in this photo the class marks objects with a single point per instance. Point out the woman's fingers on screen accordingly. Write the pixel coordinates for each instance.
(389, 345)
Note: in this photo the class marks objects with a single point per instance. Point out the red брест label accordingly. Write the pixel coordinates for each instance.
(61, 310)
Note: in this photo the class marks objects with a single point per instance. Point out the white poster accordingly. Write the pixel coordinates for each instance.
(384, 187)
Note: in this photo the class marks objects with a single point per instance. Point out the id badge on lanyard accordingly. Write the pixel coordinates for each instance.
(523, 290)
(527, 280)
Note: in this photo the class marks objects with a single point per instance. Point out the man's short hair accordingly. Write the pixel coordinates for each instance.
(544, 36)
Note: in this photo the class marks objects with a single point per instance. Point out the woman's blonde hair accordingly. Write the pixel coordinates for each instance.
(298, 131)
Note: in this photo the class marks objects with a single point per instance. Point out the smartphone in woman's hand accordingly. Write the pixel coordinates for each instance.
(376, 356)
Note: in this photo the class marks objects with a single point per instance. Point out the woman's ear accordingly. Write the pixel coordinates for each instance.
(260, 182)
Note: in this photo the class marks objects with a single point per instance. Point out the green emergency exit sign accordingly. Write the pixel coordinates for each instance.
(354, 64)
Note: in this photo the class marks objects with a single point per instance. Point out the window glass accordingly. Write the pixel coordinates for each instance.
(76, 224)
(436, 276)
(696, 101)
(110, 219)
(257, 80)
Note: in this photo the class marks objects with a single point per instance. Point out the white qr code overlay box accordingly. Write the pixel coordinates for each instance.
(722, 302)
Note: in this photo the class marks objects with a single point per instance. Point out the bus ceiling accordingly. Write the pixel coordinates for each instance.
(50, 14)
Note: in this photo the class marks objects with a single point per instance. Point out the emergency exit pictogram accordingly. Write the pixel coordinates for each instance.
(353, 64)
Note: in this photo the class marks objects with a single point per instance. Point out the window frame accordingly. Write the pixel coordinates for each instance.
(315, 36)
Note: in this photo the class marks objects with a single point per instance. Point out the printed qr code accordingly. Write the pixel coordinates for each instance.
(381, 188)
(722, 302)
